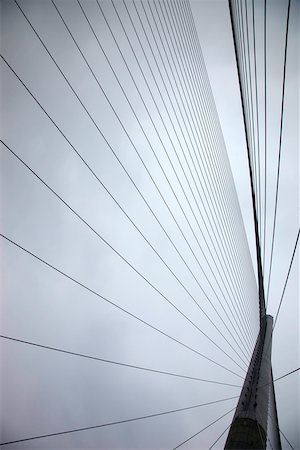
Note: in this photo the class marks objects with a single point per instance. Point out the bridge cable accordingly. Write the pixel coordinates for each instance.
(287, 374)
(211, 97)
(286, 280)
(185, 66)
(210, 202)
(98, 129)
(217, 440)
(124, 259)
(283, 292)
(281, 432)
(117, 204)
(154, 78)
(200, 58)
(158, 110)
(170, 100)
(265, 140)
(118, 422)
(257, 115)
(257, 242)
(205, 428)
(107, 190)
(117, 363)
(250, 103)
(77, 282)
(279, 149)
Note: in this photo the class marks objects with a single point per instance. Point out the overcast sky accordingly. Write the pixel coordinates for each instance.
(142, 111)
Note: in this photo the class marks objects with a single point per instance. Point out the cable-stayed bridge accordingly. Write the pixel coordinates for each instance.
(132, 293)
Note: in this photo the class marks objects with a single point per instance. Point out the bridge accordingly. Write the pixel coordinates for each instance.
(149, 232)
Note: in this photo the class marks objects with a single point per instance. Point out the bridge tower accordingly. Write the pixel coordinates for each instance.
(249, 428)
(250, 423)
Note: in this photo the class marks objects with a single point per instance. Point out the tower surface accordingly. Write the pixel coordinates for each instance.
(250, 423)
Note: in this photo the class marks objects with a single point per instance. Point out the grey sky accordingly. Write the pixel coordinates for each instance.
(44, 392)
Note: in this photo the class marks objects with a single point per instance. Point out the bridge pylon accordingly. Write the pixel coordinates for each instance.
(250, 422)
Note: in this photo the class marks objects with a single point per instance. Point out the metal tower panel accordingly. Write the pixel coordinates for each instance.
(273, 430)
(250, 422)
